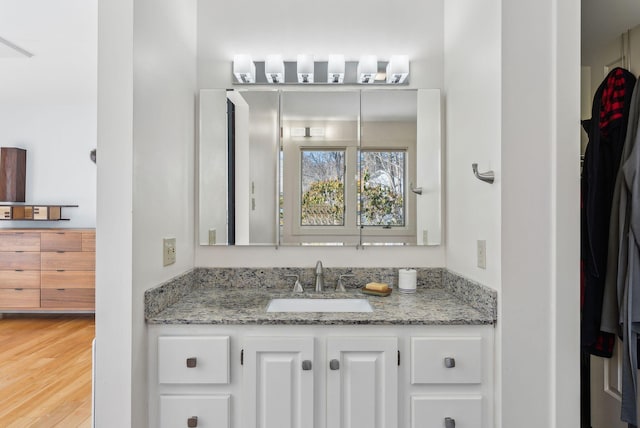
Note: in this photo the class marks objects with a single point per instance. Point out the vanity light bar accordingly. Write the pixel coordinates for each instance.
(366, 71)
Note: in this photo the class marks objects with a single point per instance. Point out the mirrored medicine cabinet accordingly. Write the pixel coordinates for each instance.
(350, 167)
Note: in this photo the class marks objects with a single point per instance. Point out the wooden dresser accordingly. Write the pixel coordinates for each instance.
(47, 270)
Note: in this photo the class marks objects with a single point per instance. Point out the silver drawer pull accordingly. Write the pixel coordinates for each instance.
(192, 362)
(449, 423)
(192, 422)
(334, 365)
(449, 362)
(306, 365)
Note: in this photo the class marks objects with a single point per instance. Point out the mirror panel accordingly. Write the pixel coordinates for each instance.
(239, 138)
(320, 167)
(319, 151)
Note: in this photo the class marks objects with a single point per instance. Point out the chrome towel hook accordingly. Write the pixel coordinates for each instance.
(488, 176)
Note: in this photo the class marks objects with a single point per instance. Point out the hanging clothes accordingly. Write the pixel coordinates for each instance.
(623, 262)
(607, 132)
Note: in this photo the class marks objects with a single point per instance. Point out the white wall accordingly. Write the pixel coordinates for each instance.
(164, 100)
(146, 128)
(540, 213)
(472, 134)
(48, 103)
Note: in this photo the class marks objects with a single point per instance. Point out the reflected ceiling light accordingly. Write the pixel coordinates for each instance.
(305, 68)
(274, 69)
(398, 69)
(335, 69)
(367, 68)
(244, 69)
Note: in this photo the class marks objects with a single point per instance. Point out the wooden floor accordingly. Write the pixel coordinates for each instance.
(45, 371)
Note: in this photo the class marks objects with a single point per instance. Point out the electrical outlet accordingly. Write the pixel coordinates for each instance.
(168, 251)
(482, 254)
(212, 237)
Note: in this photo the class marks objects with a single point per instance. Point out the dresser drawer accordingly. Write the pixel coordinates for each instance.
(19, 298)
(68, 298)
(195, 410)
(199, 359)
(69, 261)
(19, 279)
(433, 411)
(19, 260)
(446, 360)
(68, 279)
(89, 241)
(61, 241)
(19, 241)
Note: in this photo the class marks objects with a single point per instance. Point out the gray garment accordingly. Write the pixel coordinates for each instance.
(618, 230)
(630, 308)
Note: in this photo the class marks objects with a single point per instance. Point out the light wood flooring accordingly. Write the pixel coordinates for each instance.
(45, 371)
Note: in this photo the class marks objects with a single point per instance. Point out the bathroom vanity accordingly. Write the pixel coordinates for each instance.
(217, 358)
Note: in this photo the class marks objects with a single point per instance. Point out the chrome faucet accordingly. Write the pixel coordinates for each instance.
(319, 277)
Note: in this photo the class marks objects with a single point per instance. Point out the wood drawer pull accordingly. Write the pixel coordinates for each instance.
(192, 422)
(449, 362)
(449, 423)
(59, 270)
(60, 289)
(60, 252)
(192, 362)
(18, 289)
(19, 270)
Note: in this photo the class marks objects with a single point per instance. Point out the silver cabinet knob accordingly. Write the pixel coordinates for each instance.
(449, 423)
(192, 362)
(334, 364)
(449, 362)
(192, 422)
(306, 365)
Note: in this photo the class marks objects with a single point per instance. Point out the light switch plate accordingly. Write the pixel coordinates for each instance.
(482, 254)
(168, 251)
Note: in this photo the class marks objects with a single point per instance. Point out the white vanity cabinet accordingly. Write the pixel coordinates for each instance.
(278, 382)
(362, 382)
(322, 376)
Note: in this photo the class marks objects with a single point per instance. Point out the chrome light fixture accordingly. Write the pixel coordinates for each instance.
(335, 69)
(244, 69)
(305, 66)
(397, 69)
(274, 69)
(367, 69)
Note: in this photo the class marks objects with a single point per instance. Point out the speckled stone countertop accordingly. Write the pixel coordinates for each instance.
(205, 304)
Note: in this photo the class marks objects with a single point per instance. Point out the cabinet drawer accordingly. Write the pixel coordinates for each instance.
(429, 355)
(68, 298)
(210, 411)
(430, 411)
(89, 241)
(211, 354)
(68, 261)
(19, 298)
(61, 241)
(19, 279)
(19, 260)
(68, 279)
(19, 241)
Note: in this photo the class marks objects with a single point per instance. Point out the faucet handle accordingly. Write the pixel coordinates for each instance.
(340, 285)
(297, 287)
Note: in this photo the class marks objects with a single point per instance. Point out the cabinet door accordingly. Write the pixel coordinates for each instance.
(362, 382)
(201, 411)
(449, 412)
(278, 382)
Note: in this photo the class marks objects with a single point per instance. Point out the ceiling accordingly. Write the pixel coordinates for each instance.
(604, 20)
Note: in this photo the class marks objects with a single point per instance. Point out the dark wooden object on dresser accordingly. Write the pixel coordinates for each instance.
(13, 173)
(47, 270)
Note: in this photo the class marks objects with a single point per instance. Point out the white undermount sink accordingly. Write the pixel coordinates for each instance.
(319, 305)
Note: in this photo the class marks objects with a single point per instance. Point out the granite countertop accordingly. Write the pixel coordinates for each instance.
(218, 305)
